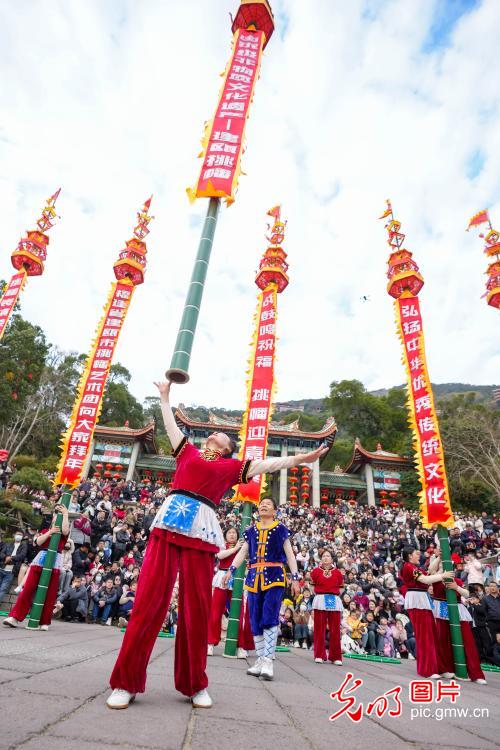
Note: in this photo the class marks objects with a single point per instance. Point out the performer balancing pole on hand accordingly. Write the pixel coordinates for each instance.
(267, 545)
(185, 536)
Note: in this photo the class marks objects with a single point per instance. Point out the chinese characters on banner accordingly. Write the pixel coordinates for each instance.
(261, 381)
(223, 140)
(9, 299)
(435, 505)
(78, 438)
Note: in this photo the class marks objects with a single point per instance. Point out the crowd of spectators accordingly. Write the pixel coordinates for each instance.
(110, 526)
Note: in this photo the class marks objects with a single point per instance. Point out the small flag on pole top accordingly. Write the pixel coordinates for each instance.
(480, 218)
(388, 211)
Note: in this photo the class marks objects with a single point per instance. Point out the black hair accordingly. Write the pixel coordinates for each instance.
(233, 447)
(407, 551)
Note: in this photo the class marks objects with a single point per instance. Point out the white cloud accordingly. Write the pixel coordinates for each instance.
(109, 103)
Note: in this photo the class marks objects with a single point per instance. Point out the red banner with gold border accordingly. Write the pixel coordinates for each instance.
(78, 438)
(223, 138)
(255, 426)
(10, 297)
(435, 506)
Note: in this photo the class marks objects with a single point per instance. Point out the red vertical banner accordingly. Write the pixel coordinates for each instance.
(223, 138)
(78, 438)
(255, 427)
(9, 299)
(435, 506)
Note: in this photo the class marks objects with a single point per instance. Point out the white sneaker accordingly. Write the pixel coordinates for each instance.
(266, 670)
(296, 644)
(411, 657)
(435, 676)
(481, 681)
(108, 621)
(241, 653)
(304, 645)
(120, 699)
(11, 622)
(122, 622)
(448, 675)
(18, 589)
(210, 649)
(338, 663)
(319, 661)
(202, 699)
(255, 670)
(44, 627)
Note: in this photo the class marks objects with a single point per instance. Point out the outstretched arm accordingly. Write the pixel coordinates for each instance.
(174, 433)
(269, 465)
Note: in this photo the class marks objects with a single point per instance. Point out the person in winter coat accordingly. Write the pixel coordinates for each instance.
(103, 601)
(66, 566)
(73, 602)
(12, 555)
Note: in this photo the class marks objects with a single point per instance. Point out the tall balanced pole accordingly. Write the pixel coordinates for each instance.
(27, 259)
(223, 142)
(272, 279)
(405, 283)
(77, 441)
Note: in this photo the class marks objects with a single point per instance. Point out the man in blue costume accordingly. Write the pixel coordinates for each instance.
(267, 546)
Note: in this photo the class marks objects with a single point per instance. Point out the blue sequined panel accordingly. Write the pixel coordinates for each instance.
(330, 602)
(443, 610)
(181, 512)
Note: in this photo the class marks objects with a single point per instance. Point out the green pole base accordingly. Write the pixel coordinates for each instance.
(229, 656)
(176, 375)
(490, 668)
(282, 648)
(369, 657)
(30, 627)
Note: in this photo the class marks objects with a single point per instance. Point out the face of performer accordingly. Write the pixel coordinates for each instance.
(231, 536)
(414, 558)
(266, 509)
(326, 559)
(219, 441)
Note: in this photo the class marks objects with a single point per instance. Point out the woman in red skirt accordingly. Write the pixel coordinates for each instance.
(418, 604)
(327, 609)
(440, 608)
(221, 600)
(30, 585)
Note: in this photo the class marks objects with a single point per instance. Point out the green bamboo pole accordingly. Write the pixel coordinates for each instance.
(179, 366)
(237, 596)
(453, 614)
(48, 565)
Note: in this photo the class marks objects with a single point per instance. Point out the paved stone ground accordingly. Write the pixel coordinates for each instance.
(53, 687)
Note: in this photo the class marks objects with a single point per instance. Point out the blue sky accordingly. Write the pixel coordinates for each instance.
(357, 101)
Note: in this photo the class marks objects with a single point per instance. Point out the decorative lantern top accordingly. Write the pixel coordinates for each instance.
(131, 263)
(31, 251)
(254, 15)
(403, 273)
(492, 250)
(273, 266)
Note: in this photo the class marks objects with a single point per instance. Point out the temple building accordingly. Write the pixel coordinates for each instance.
(133, 454)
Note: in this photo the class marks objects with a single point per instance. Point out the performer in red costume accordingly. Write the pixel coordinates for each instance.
(327, 608)
(440, 608)
(221, 600)
(184, 538)
(30, 585)
(418, 604)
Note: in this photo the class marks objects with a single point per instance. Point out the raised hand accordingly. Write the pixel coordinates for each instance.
(164, 388)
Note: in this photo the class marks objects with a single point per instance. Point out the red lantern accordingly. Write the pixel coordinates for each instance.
(109, 466)
(294, 470)
(98, 466)
(305, 470)
(384, 501)
(305, 495)
(107, 473)
(293, 504)
(116, 476)
(119, 467)
(324, 505)
(96, 475)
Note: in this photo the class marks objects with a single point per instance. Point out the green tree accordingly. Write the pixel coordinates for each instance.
(34, 479)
